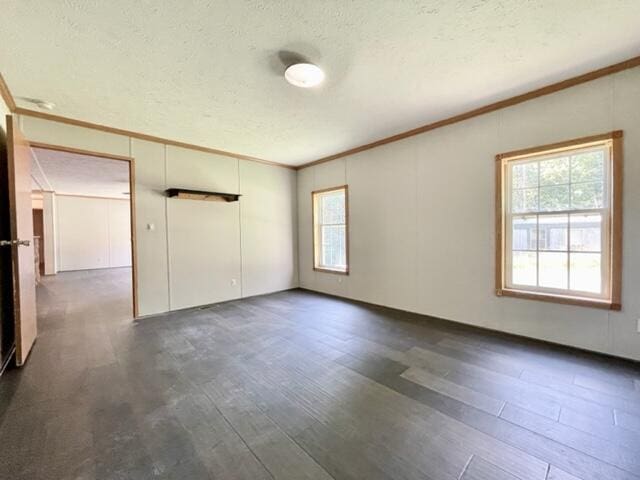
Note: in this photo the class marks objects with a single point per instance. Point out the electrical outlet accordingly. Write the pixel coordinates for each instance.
(639, 325)
(233, 282)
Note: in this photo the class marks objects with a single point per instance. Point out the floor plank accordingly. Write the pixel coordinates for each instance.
(612, 433)
(596, 447)
(453, 390)
(479, 469)
(302, 385)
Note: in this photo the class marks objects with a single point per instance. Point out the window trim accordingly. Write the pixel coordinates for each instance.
(614, 227)
(314, 232)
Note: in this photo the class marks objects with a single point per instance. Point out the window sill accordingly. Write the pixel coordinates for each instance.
(329, 270)
(567, 300)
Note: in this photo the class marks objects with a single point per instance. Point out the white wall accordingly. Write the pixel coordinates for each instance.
(422, 218)
(151, 227)
(269, 250)
(203, 237)
(92, 233)
(189, 252)
(119, 222)
(48, 220)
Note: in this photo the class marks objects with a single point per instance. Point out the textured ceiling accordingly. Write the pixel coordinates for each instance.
(210, 72)
(74, 174)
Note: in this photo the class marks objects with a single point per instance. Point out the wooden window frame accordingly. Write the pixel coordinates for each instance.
(314, 230)
(613, 302)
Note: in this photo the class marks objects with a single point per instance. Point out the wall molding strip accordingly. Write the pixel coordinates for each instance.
(144, 136)
(492, 107)
(5, 93)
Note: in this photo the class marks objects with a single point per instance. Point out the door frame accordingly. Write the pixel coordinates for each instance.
(132, 203)
(24, 308)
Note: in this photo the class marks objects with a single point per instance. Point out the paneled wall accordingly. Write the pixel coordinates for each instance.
(192, 252)
(204, 237)
(48, 220)
(422, 218)
(92, 233)
(267, 217)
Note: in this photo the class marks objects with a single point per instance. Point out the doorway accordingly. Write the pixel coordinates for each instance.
(83, 208)
(38, 240)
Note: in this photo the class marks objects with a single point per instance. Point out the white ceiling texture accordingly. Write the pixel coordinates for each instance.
(211, 72)
(75, 174)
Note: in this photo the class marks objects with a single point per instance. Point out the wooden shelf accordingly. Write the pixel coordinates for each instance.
(184, 194)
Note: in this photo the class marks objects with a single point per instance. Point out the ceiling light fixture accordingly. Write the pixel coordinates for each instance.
(304, 75)
(43, 104)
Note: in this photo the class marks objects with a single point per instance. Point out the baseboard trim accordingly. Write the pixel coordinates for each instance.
(209, 305)
(493, 331)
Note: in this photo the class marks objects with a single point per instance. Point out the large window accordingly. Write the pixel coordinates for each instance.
(330, 230)
(559, 222)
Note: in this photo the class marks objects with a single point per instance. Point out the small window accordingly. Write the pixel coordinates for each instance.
(559, 222)
(331, 230)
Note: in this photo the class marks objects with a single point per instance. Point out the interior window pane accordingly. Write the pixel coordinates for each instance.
(523, 268)
(332, 208)
(554, 198)
(554, 171)
(587, 195)
(524, 200)
(330, 218)
(552, 232)
(552, 270)
(523, 234)
(524, 175)
(557, 212)
(334, 246)
(586, 272)
(586, 232)
(586, 167)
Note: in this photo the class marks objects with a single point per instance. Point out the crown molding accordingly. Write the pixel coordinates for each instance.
(143, 136)
(79, 195)
(5, 93)
(492, 107)
(13, 108)
(79, 151)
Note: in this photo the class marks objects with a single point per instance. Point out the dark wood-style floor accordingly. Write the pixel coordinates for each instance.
(298, 385)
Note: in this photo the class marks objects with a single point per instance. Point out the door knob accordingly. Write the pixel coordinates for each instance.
(8, 243)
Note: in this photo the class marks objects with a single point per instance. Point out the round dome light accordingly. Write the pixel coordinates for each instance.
(304, 75)
(45, 105)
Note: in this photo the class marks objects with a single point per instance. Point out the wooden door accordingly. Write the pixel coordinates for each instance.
(21, 219)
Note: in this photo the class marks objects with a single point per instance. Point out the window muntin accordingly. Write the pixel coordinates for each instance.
(330, 230)
(557, 222)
